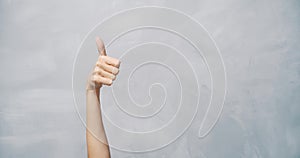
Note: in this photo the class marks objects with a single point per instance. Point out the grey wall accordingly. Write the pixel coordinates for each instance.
(259, 42)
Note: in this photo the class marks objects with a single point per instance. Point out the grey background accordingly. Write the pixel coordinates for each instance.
(259, 41)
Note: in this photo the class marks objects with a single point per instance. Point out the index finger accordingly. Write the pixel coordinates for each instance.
(111, 61)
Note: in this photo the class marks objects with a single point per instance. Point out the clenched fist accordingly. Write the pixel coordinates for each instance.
(105, 70)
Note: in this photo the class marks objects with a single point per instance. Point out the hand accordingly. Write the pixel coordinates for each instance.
(105, 70)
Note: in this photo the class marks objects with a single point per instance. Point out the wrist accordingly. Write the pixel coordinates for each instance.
(90, 86)
(92, 89)
(92, 92)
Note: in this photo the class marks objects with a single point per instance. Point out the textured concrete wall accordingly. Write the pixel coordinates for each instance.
(259, 43)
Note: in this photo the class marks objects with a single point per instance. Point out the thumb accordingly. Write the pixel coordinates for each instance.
(100, 46)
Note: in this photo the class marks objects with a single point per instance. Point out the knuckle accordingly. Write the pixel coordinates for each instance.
(94, 73)
(94, 78)
(96, 69)
(101, 58)
(100, 72)
(100, 65)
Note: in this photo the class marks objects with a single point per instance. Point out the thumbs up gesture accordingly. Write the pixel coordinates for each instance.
(105, 70)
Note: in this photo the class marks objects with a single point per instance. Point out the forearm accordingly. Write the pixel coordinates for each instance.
(104, 72)
(97, 145)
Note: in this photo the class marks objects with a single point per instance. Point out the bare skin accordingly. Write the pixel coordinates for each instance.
(104, 73)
